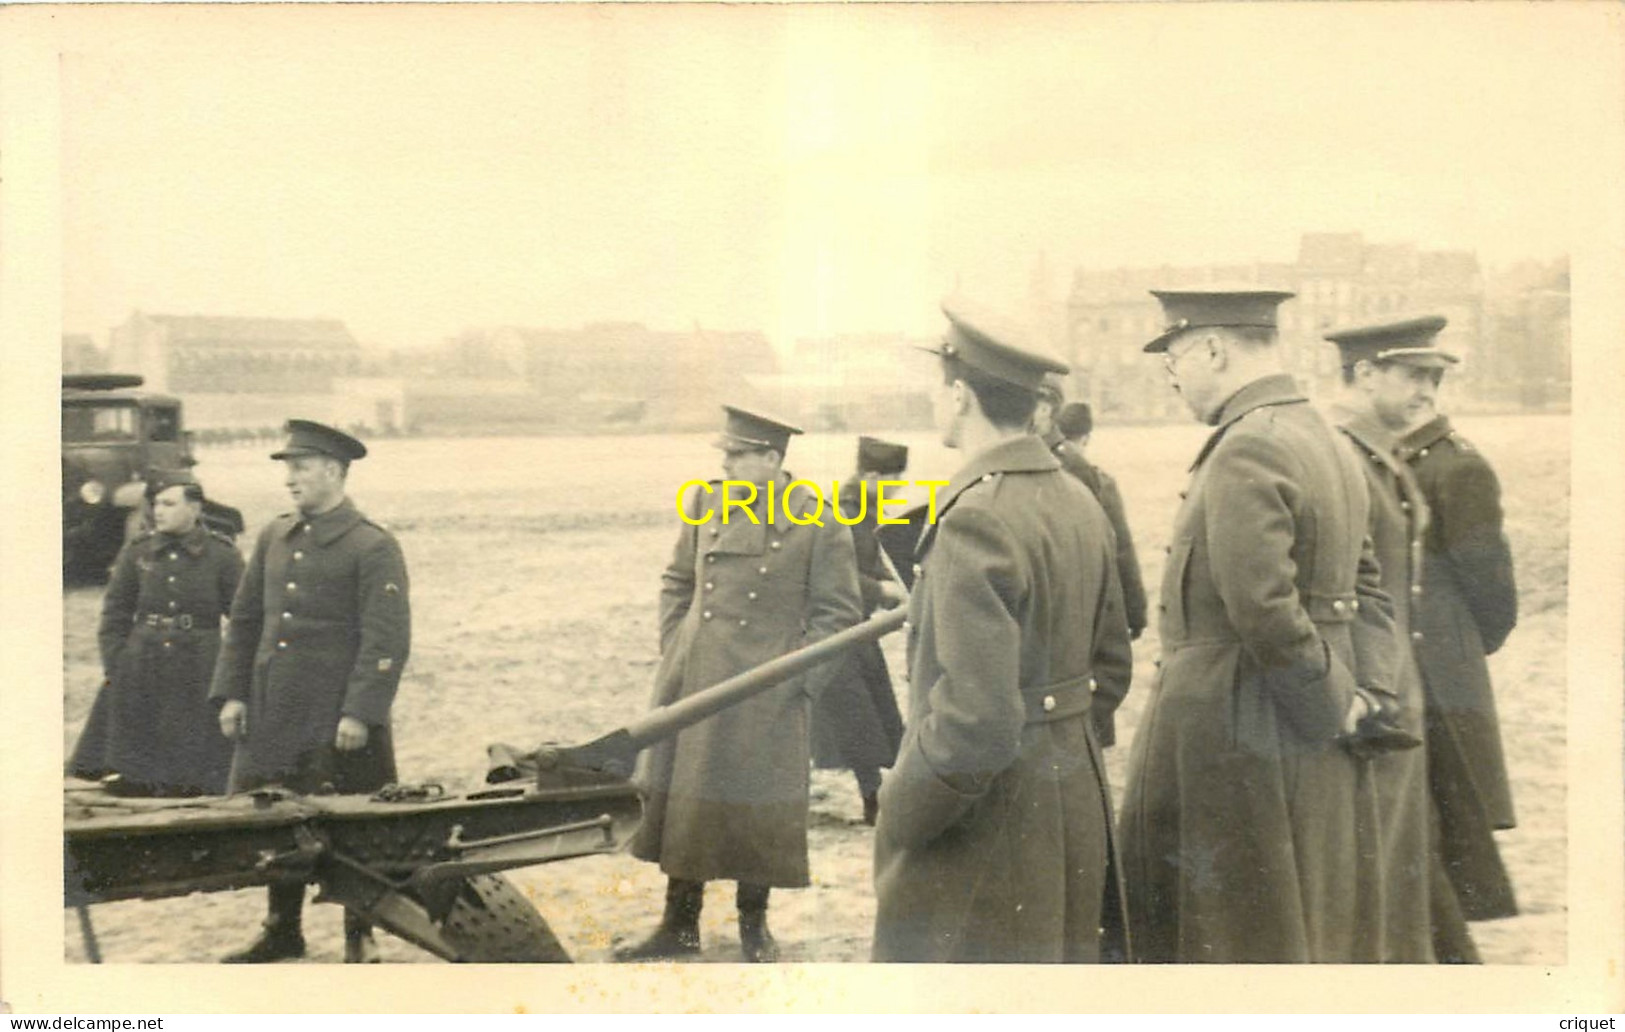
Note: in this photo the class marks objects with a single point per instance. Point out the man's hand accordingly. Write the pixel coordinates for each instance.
(1360, 707)
(234, 719)
(892, 594)
(352, 735)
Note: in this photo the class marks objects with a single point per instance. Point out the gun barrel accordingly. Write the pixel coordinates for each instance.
(668, 720)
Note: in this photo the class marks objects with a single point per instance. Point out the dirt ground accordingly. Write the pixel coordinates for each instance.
(535, 568)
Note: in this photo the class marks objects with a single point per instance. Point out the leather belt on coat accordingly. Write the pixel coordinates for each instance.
(180, 622)
(1060, 700)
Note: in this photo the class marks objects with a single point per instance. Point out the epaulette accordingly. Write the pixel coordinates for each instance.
(217, 535)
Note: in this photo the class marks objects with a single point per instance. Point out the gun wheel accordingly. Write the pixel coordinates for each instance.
(491, 922)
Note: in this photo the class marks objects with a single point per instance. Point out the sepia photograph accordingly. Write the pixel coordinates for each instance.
(736, 498)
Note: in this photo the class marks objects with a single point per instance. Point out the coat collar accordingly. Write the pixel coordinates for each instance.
(1277, 389)
(1364, 427)
(193, 541)
(330, 525)
(1425, 436)
(1367, 430)
(1024, 454)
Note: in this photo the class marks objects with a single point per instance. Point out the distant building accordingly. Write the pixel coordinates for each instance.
(1338, 279)
(852, 382)
(81, 355)
(626, 372)
(217, 354)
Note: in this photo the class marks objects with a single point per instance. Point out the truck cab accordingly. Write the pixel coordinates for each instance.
(115, 436)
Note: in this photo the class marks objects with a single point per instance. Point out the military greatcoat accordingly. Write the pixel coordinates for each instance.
(320, 629)
(1398, 516)
(855, 720)
(994, 841)
(1104, 488)
(159, 636)
(727, 798)
(1244, 821)
(1468, 608)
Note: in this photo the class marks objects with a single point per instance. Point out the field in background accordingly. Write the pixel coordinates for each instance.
(535, 568)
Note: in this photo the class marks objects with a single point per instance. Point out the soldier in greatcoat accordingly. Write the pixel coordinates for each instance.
(994, 841)
(1389, 369)
(320, 631)
(152, 729)
(1468, 608)
(1248, 828)
(1070, 451)
(727, 799)
(855, 721)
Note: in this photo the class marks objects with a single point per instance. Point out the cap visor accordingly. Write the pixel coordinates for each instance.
(292, 453)
(1160, 344)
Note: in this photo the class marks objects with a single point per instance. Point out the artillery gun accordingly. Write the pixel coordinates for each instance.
(424, 865)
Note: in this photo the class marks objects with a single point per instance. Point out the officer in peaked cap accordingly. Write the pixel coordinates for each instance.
(1016, 611)
(306, 437)
(1389, 368)
(994, 345)
(743, 430)
(727, 799)
(319, 635)
(1234, 307)
(1466, 606)
(1242, 836)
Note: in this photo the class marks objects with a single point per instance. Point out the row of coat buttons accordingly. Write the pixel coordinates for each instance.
(709, 586)
(707, 614)
(711, 557)
(775, 543)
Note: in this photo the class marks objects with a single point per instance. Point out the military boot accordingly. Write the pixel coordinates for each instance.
(679, 931)
(359, 945)
(755, 941)
(281, 937)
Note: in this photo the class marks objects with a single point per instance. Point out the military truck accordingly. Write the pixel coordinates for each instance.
(115, 437)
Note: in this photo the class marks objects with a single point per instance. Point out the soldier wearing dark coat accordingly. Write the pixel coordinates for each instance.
(1248, 828)
(1468, 609)
(320, 631)
(1070, 452)
(152, 729)
(1389, 372)
(994, 841)
(855, 722)
(727, 799)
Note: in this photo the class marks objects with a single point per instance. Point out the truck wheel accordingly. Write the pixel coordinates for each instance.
(492, 922)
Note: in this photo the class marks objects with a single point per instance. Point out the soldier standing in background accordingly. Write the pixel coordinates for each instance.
(1468, 607)
(855, 722)
(727, 798)
(1245, 817)
(152, 729)
(1070, 452)
(1388, 368)
(994, 842)
(319, 634)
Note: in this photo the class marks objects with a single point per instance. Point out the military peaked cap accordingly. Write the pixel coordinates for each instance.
(1192, 308)
(306, 437)
(993, 345)
(743, 429)
(1407, 341)
(883, 457)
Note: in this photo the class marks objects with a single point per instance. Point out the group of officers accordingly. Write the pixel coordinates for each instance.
(1316, 775)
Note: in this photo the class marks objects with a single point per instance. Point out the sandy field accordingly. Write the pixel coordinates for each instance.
(535, 568)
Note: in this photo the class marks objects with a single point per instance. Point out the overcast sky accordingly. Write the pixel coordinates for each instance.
(416, 171)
